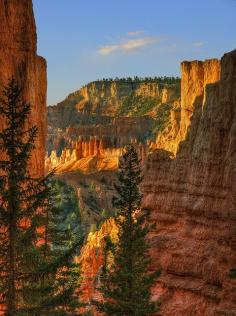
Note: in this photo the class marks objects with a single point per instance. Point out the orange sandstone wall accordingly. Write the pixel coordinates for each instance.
(190, 186)
(91, 260)
(18, 58)
(193, 196)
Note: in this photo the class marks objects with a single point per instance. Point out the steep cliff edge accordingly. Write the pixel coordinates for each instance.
(89, 129)
(112, 112)
(193, 196)
(196, 76)
(18, 58)
(100, 101)
(190, 187)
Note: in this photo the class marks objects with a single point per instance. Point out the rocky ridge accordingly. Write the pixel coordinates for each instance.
(189, 186)
(192, 197)
(109, 114)
(100, 101)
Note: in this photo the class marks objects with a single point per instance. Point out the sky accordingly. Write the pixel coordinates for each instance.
(86, 40)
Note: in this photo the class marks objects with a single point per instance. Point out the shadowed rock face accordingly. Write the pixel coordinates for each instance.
(193, 196)
(18, 58)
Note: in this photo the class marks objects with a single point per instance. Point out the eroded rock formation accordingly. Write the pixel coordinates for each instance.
(107, 115)
(193, 196)
(91, 155)
(99, 102)
(190, 187)
(18, 58)
(92, 259)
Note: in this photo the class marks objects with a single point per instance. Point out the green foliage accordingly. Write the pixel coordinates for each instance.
(38, 273)
(21, 198)
(136, 79)
(93, 228)
(61, 146)
(65, 238)
(66, 201)
(232, 273)
(162, 116)
(137, 105)
(126, 283)
(104, 216)
(92, 186)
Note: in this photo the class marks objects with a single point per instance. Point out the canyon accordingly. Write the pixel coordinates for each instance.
(189, 186)
(188, 152)
(101, 118)
(89, 130)
(189, 172)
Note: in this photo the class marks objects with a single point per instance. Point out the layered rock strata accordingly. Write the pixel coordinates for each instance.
(190, 187)
(99, 102)
(18, 58)
(192, 195)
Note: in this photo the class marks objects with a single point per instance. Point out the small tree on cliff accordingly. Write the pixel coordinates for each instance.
(36, 275)
(126, 284)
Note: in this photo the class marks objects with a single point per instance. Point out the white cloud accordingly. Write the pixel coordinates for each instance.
(135, 33)
(108, 49)
(129, 45)
(198, 44)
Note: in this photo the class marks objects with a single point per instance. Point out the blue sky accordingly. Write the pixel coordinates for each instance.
(84, 40)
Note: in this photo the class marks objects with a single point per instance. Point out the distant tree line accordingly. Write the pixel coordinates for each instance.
(136, 79)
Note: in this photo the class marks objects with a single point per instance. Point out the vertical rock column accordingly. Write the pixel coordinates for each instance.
(192, 196)
(18, 58)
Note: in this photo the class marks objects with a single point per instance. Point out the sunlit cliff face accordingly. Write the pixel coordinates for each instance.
(18, 58)
(92, 258)
(90, 156)
(95, 123)
(189, 186)
(192, 196)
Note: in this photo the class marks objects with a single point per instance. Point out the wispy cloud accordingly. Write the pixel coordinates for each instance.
(108, 49)
(135, 33)
(129, 45)
(198, 44)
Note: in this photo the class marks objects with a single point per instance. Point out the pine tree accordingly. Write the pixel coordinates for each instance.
(59, 273)
(37, 277)
(126, 283)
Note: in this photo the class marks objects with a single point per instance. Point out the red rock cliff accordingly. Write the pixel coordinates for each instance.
(193, 196)
(18, 58)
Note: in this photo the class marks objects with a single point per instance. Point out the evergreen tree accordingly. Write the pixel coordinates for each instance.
(36, 255)
(126, 283)
(63, 239)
